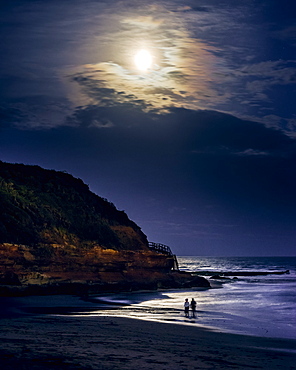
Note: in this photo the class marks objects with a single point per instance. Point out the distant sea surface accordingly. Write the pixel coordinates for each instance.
(252, 305)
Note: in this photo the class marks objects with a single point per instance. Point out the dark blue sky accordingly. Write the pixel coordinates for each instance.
(199, 150)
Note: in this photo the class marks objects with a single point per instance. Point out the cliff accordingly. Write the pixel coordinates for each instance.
(47, 207)
(56, 236)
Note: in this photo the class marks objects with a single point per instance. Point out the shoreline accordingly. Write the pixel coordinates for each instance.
(65, 342)
(133, 305)
(57, 341)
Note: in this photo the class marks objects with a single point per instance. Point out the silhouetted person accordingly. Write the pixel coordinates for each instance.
(193, 307)
(186, 307)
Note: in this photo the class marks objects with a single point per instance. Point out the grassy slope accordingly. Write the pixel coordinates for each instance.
(50, 207)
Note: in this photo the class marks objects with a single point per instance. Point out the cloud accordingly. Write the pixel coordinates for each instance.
(272, 72)
(251, 152)
(147, 22)
(195, 155)
(204, 57)
(187, 8)
(194, 72)
(286, 34)
(103, 123)
(35, 112)
(181, 80)
(179, 130)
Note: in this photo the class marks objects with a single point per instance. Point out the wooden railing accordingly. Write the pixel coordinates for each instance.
(164, 249)
(161, 248)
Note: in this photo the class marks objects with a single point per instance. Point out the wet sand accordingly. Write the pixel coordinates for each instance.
(39, 341)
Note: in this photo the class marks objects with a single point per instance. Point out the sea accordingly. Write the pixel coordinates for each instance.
(262, 305)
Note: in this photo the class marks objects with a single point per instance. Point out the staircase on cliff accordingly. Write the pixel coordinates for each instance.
(164, 249)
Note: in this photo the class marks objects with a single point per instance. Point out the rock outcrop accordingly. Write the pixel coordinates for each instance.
(56, 236)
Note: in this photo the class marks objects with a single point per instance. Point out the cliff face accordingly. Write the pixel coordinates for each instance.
(56, 236)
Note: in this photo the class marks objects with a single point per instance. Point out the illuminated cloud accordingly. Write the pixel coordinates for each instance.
(204, 57)
(182, 79)
(196, 66)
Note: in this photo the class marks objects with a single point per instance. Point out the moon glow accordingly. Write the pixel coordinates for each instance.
(143, 60)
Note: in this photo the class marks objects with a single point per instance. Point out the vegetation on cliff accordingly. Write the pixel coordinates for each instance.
(41, 206)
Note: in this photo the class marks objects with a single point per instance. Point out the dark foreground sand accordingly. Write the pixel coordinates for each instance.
(90, 342)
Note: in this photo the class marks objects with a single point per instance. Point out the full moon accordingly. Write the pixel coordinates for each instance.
(143, 60)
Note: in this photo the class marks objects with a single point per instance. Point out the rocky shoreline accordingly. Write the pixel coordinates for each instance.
(131, 281)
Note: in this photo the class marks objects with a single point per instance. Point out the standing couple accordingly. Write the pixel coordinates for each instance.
(187, 305)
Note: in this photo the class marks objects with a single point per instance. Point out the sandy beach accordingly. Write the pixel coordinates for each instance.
(40, 341)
